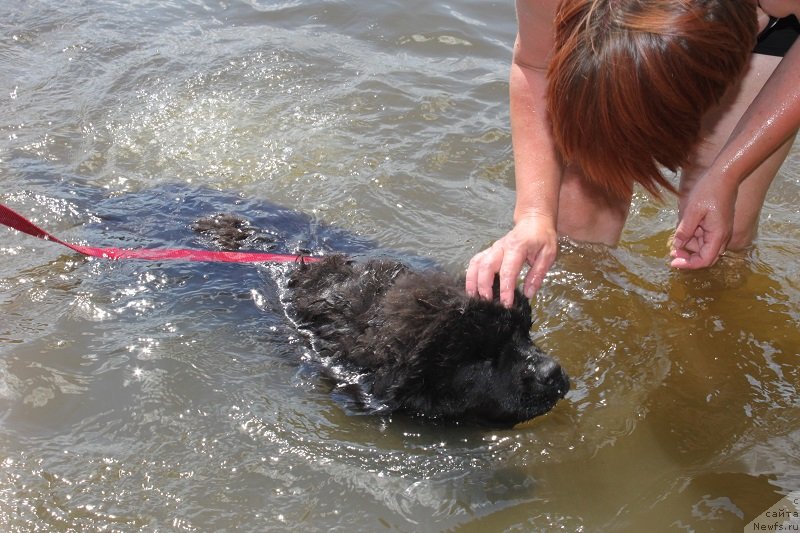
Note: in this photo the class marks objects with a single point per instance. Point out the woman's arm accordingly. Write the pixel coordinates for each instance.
(537, 164)
(538, 169)
(772, 118)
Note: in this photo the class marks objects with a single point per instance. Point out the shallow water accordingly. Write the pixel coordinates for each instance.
(152, 396)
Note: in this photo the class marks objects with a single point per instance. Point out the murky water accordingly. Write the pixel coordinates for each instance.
(153, 396)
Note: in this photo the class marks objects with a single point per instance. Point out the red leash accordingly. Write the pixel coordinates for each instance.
(16, 221)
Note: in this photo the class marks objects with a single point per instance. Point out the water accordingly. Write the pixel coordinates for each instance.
(159, 396)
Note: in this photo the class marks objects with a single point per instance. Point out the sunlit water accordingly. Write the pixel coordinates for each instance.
(153, 396)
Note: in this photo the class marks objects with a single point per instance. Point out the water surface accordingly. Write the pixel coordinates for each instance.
(153, 396)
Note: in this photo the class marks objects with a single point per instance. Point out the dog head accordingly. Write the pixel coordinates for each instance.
(469, 360)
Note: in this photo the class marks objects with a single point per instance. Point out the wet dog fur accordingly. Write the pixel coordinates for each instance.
(395, 340)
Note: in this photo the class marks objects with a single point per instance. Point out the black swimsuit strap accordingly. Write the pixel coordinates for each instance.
(778, 36)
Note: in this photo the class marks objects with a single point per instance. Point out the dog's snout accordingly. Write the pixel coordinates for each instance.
(550, 373)
(547, 370)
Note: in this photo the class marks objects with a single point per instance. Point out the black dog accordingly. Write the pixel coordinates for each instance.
(397, 340)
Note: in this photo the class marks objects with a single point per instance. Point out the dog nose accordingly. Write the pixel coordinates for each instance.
(547, 369)
(549, 372)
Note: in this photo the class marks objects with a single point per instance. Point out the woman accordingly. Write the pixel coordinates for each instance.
(605, 92)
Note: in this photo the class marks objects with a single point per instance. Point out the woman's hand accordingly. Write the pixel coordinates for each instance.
(771, 120)
(705, 224)
(534, 241)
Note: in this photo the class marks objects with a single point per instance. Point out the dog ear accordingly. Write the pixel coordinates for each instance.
(496, 287)
(496, 291)
(521, 303)
(403, 386)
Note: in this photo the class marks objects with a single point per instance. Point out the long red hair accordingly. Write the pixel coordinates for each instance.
(630, 81)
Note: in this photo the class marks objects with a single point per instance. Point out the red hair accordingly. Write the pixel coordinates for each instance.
(630, 81)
